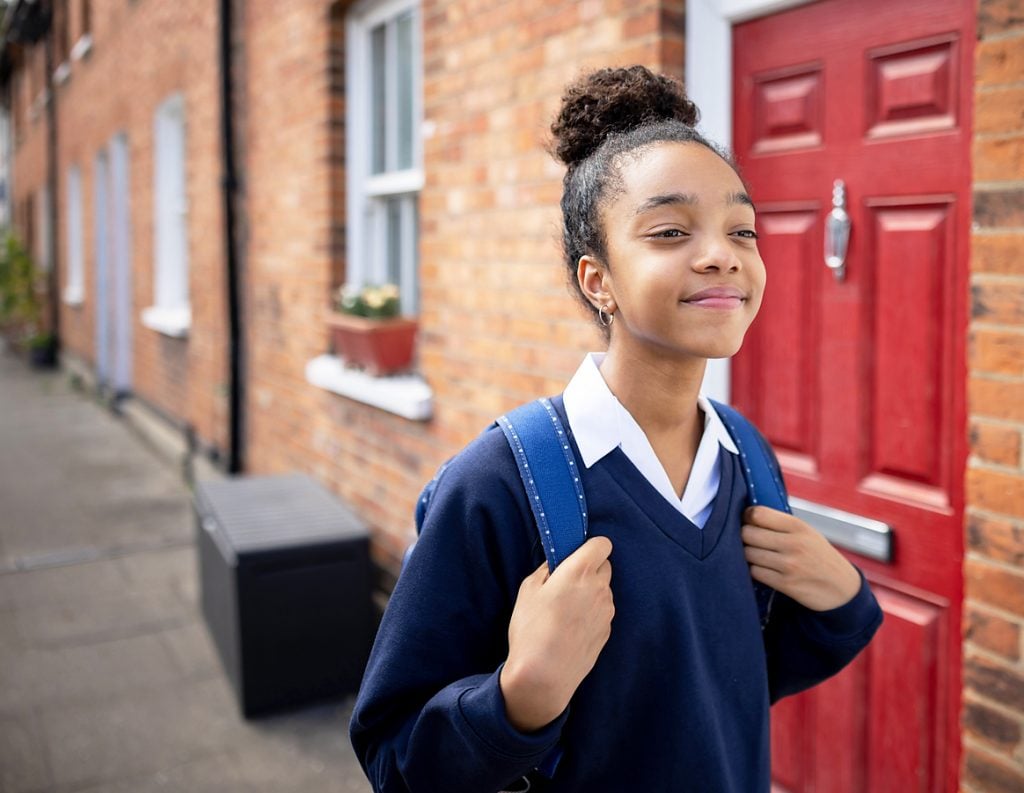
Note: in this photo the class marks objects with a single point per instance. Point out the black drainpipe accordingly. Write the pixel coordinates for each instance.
(236, 350)
(53, 276)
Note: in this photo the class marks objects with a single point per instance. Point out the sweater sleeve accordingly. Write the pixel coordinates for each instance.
(430, 714)
(805, 647)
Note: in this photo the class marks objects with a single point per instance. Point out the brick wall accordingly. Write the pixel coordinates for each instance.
(30, 127)
(142, 52)
(498, 325)
(993, 712)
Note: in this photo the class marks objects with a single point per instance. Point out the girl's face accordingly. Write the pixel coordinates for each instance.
(684, 275)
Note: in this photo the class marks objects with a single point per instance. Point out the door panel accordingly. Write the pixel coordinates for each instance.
(909, 262)
(858, 382)
(908, 663)
(912, 88)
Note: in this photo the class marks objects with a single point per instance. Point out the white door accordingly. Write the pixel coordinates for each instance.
(121, 266)
(101, 187)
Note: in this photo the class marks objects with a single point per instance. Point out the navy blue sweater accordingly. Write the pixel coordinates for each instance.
(679, 697)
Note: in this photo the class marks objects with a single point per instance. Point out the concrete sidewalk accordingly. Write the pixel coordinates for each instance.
(108, 679)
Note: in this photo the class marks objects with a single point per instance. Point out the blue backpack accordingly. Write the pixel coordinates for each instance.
(551, 479)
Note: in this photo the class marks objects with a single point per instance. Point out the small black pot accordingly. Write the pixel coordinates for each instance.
(43, 356)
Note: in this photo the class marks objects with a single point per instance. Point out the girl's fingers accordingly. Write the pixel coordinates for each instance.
(766, 576)
(761, 557)
(769, 518)
(536, 578)
(762, 538)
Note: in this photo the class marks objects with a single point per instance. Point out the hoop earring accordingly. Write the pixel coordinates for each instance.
(605, 317)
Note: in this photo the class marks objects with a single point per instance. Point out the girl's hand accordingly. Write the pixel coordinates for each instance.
(559, 626)
(791, 557)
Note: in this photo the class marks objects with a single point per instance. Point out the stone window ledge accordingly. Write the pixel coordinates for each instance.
(407, 395)
(173, 322)
(82, 47)
(73, 296)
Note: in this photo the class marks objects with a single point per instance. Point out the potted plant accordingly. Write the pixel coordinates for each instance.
(368, 331)
(21, 310)
(42, 350)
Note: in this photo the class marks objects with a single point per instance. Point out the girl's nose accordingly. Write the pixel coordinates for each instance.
(717, 255)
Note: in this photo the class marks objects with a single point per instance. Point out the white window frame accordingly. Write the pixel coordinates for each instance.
(366, 217)
(171, 312)
(74, 288)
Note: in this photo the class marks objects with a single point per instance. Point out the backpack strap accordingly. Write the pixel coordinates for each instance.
(548, 469)
(764, 484)
(763, 480)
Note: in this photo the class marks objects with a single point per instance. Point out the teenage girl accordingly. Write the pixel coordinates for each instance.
(640, 661)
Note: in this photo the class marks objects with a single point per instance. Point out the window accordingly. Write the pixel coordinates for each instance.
(74, 288)
(384, 155)
(171, 313)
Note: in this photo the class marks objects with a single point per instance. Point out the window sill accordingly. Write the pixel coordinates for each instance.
(407, 395)
(73, 297)
(173, 322)
(62, 73)
(82, 47)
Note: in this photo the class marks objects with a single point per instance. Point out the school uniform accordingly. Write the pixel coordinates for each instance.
(679, 697)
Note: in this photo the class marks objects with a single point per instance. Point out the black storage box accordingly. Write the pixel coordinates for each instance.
(284, 574)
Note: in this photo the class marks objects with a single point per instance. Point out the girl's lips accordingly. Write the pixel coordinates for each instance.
(716, 302)
(726, 297)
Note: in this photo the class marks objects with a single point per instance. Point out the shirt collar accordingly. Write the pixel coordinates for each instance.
(595, 415)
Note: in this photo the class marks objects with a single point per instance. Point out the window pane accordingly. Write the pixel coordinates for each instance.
(405, 89)
(394, 240)
(378, 98)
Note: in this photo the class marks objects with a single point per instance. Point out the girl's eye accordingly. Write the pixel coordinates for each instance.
(670, 233)
(748, 234)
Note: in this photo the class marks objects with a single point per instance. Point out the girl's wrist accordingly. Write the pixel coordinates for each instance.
(527, 708)
(845, 587)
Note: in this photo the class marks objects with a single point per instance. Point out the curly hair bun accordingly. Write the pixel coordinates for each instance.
(607, 101)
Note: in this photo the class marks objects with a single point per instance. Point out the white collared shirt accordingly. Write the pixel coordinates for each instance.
(599, 423)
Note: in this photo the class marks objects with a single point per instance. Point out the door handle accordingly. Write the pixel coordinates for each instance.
(837, 232)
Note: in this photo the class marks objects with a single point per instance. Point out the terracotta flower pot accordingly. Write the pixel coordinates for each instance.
(380, 346)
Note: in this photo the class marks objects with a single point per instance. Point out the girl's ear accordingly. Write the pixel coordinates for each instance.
(595, 281)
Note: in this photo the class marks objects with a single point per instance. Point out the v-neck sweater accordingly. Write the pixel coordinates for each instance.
(679, 697)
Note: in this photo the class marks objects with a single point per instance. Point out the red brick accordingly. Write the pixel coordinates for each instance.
(999, 208)
(1000, 61)
(998, 253)
(999, 110)
(998, 302)
(999, 159)
(997, 16)
(997, 352)
(997, 399)
(996, 443)
(996, 587)
(990, 775)
(982, 722)
(644, 24)
(993, 633)
(995, 681)
(998, 539)
(996, 491)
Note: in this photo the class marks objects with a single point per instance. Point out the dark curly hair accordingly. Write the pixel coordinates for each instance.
(606, 114)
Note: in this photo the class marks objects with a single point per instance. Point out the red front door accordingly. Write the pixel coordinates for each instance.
(856, 376)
